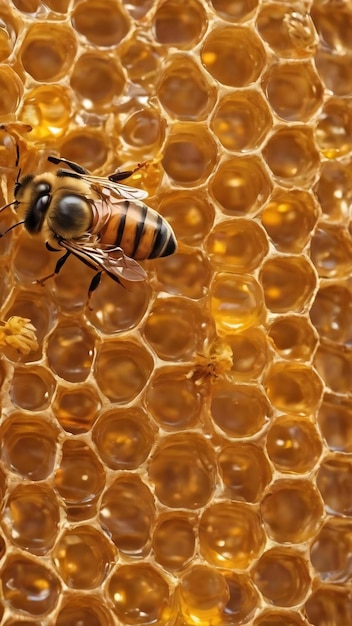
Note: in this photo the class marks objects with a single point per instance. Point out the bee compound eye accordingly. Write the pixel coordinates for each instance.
(42, 203)
(43, 189)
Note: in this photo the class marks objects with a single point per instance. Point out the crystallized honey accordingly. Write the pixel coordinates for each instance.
(179, 453)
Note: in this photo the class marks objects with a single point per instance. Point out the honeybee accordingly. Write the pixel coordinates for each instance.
(99, 220)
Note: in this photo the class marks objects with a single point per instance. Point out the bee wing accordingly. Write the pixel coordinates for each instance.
(117, 189)
(108, 258)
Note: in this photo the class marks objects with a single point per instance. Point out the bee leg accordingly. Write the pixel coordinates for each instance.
(117, 176)
(74, 166)
(92, 287)
(58, 267)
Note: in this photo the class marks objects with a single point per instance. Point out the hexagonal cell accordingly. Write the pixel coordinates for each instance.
(141, 61)
(138, 8)
(83, 557)
(104, 24)
(331, 314)
(85, 609)
(183, 90)
(335, 71)
(173, 400)
(230, 535)
(293, 444)
(335, 367)
(127, 514)
(203, 594)
(145, 130)
(289, 219)
(235, 12)
(335, 422)
(23, 580)
(236, 302)
(139, 592)
(124, 438)
(294, 91)
(293, 337)
(31, 518)
(334, 191)
(329, 604)
(243, 598)
(28, 446)
(279, 618)
(70, 286)
(238, 245)
(291, 34)
(174, 541)
(334, 480)
(86, 147)
(71, 351)
(76, 408)
(31, 260)
(79, 479)
(190, 215)
(48, 51)
(241, 185)
(185, 274)
(293, 388)
(292, 156)
(292, 511)
(330, 550)
(32, 389)
(190, 154)
(244, 470)
(97, 81)
(238, 410)
(233, 55)
(12, 91)
(47, 108)
(331, 252)
(241, 120)
(179, 25)
(291, 582)
(252, 354)
(122, 369)
(170, 341)
(8, 33)
(334, 129)
(183, 471)
(288, 283)
(334, 30)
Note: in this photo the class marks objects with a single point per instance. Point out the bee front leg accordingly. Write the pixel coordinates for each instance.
(95, 282)
(58, 267)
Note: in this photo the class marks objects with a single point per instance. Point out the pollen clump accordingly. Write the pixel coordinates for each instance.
(179, 452)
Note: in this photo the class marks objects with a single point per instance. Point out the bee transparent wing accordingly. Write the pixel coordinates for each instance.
(110, 259)
(117, 189)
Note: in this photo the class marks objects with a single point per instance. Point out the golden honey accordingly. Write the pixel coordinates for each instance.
(179, 454)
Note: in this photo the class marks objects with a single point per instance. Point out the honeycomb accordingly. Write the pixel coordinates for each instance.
(181, 454)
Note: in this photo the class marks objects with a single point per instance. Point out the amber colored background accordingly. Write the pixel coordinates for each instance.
(181, 455)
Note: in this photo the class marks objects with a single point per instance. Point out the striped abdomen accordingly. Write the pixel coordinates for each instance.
(139, 230)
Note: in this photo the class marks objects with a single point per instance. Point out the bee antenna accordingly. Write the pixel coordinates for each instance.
(8, 205)
(11, 227)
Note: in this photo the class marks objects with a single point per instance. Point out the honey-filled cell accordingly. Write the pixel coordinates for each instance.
(329, 603)
(141, 61)
(85, 609)
(330, 550)
(181, 26)
(335, 71)
(70, 351)
(183, 90)
(32, 390)
(291, 34)
(79, 479)
(183, 471)
(241, 185)
(282, 576)
(331, 252)
(294, 91)
(144, 129)
(47, 108)
(28, 446)
(189, 154)
(334, 481)
(242, 598)
(230, 535)
(174, 541)
(191, 216)
(103, 24)
(293, 388)
(335, 368)
(335, 29)
(252, 353)
(244, 471)
(11, 90)
(293, 444)
(31, 518)
(233, 55)
(238, 246)
(292, 156)
(83, 557)
(185, 274)
(280, 618)
(331, 313)
(293, 337)
(29, 587)
(238, 410)
(127, 513)
(97, 80)
(238, 12)
(202, 595)
(335, 422)
(86, 147)
(75, 408)
(123, 438)
(289, 219)
(140, 594)
(48, 51)
(236, 302)
(334, 191)
(288, 283)
(173, 400)
(241, 120)
(8, 32)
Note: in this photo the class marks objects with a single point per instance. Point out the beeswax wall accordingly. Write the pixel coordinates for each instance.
(181, 453)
